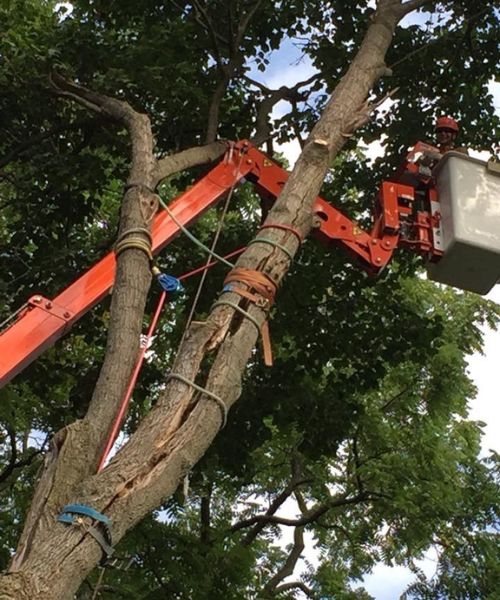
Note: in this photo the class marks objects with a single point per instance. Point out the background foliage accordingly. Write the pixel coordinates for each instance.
(367, 402)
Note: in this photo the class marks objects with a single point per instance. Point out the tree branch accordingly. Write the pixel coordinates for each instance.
(14, 464)
(186, 159)
(408, 7)
(301, 502)
(357, 466)
(263, 88)
(66, 466)
(230, 15)
(227, 71)
(206, 21)
(310, 517)
(364, 112)
(291, 94)
(296, 481)
(288, 568)
(115, 109)
(245, 21)
(205, 530)
(298, 546)
(437, 39)
(9, 468)
(295, 125)
(394, 399)
(284, 587)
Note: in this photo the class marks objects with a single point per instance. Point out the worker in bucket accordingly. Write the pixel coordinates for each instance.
(446, 133)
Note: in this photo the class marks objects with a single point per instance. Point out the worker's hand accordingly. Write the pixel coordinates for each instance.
(429, 159)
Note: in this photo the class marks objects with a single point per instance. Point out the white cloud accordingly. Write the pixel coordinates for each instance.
(387, 583)
(291, 150)
(483, 369)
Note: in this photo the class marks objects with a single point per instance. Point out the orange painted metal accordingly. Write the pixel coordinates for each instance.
(37, 328)
(42, 323)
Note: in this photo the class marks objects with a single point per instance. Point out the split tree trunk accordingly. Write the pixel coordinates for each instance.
(53, 559)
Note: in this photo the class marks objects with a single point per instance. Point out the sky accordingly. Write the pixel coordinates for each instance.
(287, 67)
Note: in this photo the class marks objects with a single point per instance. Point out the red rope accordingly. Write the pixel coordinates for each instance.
(211, 264)
(117, 423)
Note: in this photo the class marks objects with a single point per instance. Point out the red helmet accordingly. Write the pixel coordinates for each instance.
(446, 123)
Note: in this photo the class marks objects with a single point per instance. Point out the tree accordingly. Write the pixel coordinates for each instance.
(349, 418)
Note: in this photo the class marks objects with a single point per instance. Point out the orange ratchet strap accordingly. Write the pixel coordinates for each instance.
(261, 291)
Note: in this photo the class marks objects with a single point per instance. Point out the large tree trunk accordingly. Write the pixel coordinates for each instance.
(53, 559)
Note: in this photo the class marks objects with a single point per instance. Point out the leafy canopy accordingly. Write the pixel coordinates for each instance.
(366, 405)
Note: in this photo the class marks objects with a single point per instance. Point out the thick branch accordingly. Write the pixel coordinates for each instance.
(407, 7)
(76, 450)
(364, 113)
(192, 157)
(111, 107)
(227, 73)
(288, 568)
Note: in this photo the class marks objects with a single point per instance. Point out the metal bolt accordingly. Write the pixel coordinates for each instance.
(48, 305)
(67, 315)
(374, 242)
(249, 161)
(378, 260)
(37, 299)
(317, 222)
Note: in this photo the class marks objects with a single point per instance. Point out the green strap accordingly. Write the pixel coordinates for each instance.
(259, 240)
(239, 309)
(193, 238)
(198, 388)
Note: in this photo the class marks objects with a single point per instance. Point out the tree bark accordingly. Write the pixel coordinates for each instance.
(53, 558)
